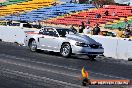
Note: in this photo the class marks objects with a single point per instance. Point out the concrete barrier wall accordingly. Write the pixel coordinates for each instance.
(113, 47)
(119, 48)
(109, 44)
(13, 34)
(124, 48)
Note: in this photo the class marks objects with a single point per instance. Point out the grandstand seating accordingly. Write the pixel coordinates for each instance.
(9, 2)
(117, 25)
(65, 0)
(37, 10)
(24, 7)
(50, 12)
(76, 19)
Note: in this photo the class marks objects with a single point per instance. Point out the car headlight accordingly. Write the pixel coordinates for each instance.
(81, 44)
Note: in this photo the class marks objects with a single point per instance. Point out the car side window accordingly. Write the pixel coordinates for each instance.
(50, 32)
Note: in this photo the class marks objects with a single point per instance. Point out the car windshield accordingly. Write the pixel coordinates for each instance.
(64, 32)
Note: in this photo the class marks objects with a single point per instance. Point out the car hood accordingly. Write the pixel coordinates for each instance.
(82, 38)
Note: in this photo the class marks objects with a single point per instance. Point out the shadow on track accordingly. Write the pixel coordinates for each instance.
(73, 56)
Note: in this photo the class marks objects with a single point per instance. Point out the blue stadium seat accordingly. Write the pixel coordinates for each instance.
(50, 12)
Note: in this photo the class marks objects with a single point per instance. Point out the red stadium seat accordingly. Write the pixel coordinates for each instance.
(76, 19)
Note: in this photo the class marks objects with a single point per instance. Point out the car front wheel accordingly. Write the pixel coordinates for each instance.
(65, 50)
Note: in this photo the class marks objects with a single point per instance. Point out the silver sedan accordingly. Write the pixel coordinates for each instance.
(65, 41)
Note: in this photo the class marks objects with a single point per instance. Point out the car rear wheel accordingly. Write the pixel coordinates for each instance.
(65, 50)
(33, 46)
(92, 57)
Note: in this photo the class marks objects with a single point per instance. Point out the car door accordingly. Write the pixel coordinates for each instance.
(49, 40)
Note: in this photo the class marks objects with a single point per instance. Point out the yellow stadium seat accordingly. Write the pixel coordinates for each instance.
(122, 19)
(129, 18)
(131, 37)
(109, 23)
(24, 6)
(102, 25)
(115, 21)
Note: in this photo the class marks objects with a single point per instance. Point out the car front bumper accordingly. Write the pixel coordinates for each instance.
(87, 50)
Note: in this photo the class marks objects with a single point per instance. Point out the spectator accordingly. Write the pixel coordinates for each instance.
(70, 1)
(131, 32)
(126, 22)
(96, 30)
(119, 32)
(106, 13)
(113, 14)
(54, 4)
(82, 27)
(101, 5)
(129, 3)
(95, 4)
(9, 23)
(73, 29)
(127, 33)
(0, 4)
(97, 15)
(39, 25)
(88, 22)
(87, 30)
(88, 1)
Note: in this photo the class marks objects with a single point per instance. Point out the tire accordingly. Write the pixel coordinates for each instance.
(65, 50)
(33, 46)
(92, 57)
